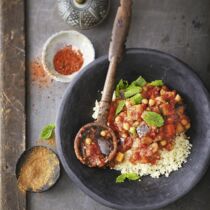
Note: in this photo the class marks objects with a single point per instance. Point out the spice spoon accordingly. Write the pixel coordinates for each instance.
(116, 50)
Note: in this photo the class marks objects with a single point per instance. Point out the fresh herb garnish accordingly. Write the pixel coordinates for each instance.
(120, 106)
(140, 81)
(156, 83)
(130, 176)
(132, 91)
(122, 85)
(47, 132)
(153, 118)
(136, 99)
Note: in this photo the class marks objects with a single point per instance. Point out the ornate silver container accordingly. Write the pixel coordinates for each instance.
(83, 14)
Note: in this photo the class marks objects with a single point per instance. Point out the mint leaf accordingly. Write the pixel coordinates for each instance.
(122, 84)
(153, 118)
(140, 81)
(156, 83)
(121, 178)
(47, 132)
(131, 91)
(136, 99)
(120, 107)
(130, 176)
(131, 86)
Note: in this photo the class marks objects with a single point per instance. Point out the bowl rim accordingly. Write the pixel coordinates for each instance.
(60, 77)
(79, 183)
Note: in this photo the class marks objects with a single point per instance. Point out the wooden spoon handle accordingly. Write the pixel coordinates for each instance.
(120, 30)
(117, 46)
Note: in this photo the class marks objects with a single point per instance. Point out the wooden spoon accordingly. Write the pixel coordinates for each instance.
(103, 148)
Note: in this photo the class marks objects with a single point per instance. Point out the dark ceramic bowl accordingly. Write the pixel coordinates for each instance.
(76, 110)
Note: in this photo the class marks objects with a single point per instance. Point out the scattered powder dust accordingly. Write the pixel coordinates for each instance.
(37, 170)
(50, 142)
(38, 75)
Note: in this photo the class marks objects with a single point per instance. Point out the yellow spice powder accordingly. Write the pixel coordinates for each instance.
(38, 169)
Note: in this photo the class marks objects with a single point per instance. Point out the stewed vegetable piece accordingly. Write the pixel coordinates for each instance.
(151, 122)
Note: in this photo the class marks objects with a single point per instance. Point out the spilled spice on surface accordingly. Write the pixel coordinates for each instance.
(38, 169)
(38, 75)
(49, 142)
(68, 60)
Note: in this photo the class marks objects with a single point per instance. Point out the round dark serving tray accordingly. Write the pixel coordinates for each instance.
(76, 110)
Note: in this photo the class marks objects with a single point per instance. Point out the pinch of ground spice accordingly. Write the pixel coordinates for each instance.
(38, 170)
(38, 74)
(49, 142)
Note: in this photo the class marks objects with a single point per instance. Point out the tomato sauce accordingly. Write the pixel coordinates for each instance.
(129, 124)
(96, 145)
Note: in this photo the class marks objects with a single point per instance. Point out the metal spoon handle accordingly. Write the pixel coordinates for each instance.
(119, 34)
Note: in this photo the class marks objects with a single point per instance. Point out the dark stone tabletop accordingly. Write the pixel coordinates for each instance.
(181, 28)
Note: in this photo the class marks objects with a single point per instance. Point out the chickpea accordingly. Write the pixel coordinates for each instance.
(178, 98)
(117, 119)
(88, 141)
(179, 128)
(184, 122)
(145, 101)
(170, 93)
(162, 92)
(151, 102)
(154, 147)
(138, 108)
(165, 88)
(163, 143)
(145, 88)
(126, 126)
(158, 100)
(103, 133)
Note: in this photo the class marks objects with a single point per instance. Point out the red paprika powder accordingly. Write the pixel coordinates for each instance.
(38, 74)
(67, 60)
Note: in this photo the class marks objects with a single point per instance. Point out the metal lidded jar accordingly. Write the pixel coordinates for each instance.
(83, 14)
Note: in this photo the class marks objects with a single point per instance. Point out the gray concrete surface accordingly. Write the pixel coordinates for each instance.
(181, 28)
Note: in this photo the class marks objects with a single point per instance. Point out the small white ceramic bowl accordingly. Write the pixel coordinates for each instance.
(58, 41)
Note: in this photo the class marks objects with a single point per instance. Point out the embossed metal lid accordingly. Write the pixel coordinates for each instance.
(83, 14)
